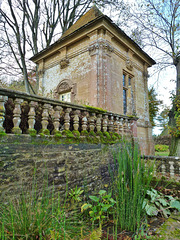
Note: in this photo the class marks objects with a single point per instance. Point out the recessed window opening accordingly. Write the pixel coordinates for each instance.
(127, 81)
(65, 97)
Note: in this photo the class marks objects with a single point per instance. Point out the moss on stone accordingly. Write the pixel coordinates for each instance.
(67, 133)
(32, 132)
(84, 133)
(169, 230)
(2, 133)
(94, 109)
(45, 132)
(76, 133)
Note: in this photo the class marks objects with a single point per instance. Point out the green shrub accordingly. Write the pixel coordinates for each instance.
(161, 148)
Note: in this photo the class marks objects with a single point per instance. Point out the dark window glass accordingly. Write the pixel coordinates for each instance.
(124, 101)
(124, 80)
(129, 81)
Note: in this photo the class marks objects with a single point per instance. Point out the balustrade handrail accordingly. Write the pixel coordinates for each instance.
(72, 116)
(30, 97)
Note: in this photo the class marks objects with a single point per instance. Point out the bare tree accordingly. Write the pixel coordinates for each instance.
(30, 25)
(159, 21)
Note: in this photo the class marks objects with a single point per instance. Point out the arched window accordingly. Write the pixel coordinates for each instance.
(66, 91)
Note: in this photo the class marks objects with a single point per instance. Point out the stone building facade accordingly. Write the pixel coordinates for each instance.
(96, 63)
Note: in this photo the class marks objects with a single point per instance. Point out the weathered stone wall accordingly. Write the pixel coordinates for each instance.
(67, 165)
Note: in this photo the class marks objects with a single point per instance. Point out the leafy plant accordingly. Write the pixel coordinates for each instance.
(75, 194)
(100, 207)
(156, 202)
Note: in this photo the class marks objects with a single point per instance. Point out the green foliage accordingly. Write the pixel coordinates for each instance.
(155, 202)
(142, 232)
(100, 207)
(131, 180)
(75, 194)
(153, 105)
(38, 214)
(161, 148)
(163, 118)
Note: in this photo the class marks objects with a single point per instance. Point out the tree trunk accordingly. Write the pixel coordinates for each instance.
(175, 141)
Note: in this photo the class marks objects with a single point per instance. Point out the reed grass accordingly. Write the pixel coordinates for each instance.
(131, 180)
(39, 215)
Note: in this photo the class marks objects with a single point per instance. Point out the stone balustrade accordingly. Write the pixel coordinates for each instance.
(20, 112)
(166, 165)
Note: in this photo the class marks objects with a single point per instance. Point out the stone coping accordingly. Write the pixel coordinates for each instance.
(29, 97)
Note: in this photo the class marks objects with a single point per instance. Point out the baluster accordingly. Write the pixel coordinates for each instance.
(125, 126)
(76, 120)
(121, 130)
(171, 168)
(84, 122)
(110, 123)
(163, 169)
(2, 111)
(178, 168)
(17, 116)
(67, 118)
(45, 115)
(98, 122)
(116, 126)
(57, 115)
(92, 121)
(105, 123)
(32, 114)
